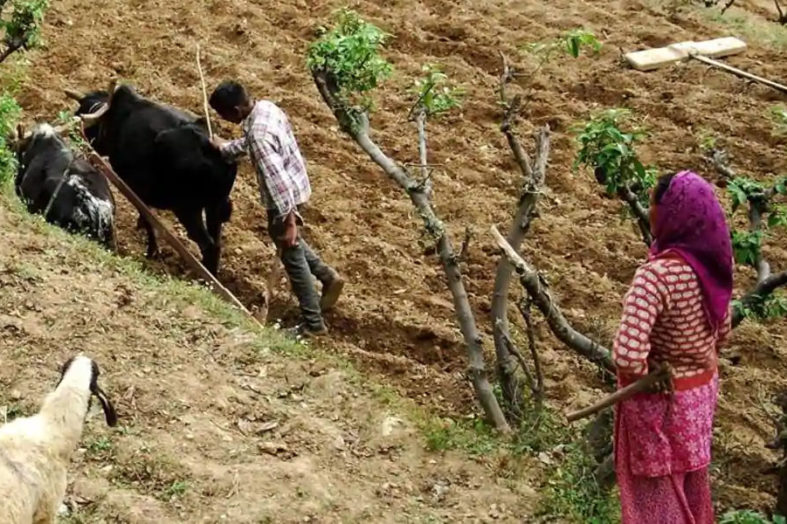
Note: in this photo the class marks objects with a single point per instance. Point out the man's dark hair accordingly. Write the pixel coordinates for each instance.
(662, 185)
(229, 95)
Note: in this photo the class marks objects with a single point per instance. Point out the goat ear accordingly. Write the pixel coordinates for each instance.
(109, 410)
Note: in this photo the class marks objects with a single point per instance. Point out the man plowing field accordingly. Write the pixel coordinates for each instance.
(284, 187)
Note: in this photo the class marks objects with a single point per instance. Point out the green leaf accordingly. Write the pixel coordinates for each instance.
(573, 47)
(433, 94)
(781, 186)
(606, 146)
(738, 196)
(778, 217)
(779, 118)
(747, 246)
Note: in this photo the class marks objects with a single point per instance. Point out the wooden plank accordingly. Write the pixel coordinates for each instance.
(651, 59)
(191, 261)
(720, 47)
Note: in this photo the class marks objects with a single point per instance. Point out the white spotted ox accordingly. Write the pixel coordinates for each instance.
(66, 189)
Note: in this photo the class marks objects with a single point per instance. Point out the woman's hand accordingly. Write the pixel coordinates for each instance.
(666, 385)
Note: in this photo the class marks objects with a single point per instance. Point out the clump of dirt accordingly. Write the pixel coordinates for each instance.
(396, 316)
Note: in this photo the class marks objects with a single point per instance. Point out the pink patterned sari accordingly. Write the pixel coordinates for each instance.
(662, 453)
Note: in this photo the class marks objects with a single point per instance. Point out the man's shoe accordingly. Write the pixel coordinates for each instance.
(302, 331)
(331, 290)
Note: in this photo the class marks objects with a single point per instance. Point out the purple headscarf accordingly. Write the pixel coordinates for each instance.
(690, 223)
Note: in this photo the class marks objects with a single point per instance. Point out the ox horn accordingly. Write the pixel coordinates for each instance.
(74, 94)
(92, 119)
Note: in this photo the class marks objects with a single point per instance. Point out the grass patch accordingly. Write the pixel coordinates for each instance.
(750, 27)
(99, 447)
(157, 475)
(571, 491)
(574, 492)
(169, 291)
(749, 517)
(176, 490)
(475, 437)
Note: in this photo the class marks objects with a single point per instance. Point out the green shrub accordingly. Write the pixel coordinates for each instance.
(351, 53)
(9, 116)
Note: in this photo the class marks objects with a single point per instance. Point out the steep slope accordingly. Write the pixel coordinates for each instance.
(218, 422)
(396, 318)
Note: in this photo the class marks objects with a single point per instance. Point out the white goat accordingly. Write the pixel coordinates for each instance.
(35, 451)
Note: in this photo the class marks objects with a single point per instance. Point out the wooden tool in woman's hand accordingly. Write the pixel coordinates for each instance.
(661, 374)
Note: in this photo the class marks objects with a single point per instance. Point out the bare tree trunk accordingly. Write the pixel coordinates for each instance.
(536, 386)
(356, 124)
(534, 183)
(755, 224)
(8, 51)
(539, 292)
(640, 213)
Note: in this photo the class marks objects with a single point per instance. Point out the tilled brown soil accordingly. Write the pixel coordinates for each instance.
(396, 315)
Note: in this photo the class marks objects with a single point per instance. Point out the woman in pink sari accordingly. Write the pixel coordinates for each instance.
(676, 312)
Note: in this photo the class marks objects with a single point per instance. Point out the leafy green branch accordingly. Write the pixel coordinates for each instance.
(349, 54)
(609, 150)
(434, 94)
(765, 211)
(570, 43)
(764, 214)
(22, 28)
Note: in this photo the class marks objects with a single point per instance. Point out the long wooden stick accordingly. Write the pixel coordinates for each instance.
(204, 93)
(640, 386)
(740, 72)
(191, 261)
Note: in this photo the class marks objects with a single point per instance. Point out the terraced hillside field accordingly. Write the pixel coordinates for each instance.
(396, 318)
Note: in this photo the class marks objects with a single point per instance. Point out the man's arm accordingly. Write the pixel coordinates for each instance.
(231, 149)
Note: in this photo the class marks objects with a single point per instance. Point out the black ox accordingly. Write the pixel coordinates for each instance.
(66, 189)
(164, 155)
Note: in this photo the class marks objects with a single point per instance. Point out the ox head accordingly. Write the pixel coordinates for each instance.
(92, 107)
(42, 137)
